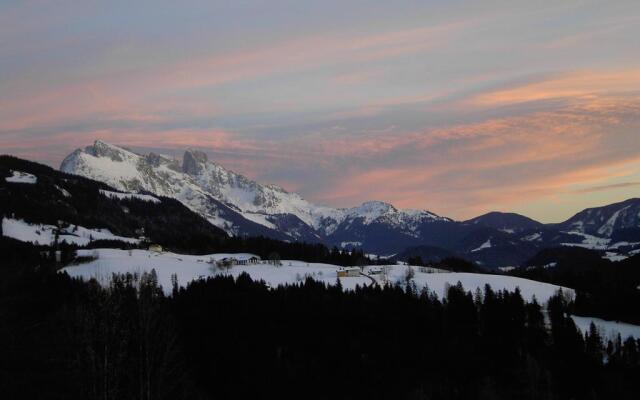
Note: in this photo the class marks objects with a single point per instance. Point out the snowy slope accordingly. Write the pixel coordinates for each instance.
(42, 234)
(438, 282)
(188, 268)
(604, 221)
(607, 329)
(21, 177)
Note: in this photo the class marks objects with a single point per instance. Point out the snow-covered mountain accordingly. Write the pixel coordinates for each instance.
(240, 205)
(604, 221)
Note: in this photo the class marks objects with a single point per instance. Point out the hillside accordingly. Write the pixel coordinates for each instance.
(82, 208)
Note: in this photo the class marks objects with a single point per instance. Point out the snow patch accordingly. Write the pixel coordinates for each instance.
(617, 245)
(589, 241)
(485, 245)
(21, 177)
(259, 219)
(63, 191)
(41, 234)
(607, 228)
(129, 196)
(533, 237)
(611, 256)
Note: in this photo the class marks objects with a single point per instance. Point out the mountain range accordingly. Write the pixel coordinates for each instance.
(243, 207)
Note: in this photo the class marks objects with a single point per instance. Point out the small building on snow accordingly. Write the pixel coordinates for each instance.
(348, 272)
(253, 259)
(155, 248)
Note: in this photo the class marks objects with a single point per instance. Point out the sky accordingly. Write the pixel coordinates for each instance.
(457, 107)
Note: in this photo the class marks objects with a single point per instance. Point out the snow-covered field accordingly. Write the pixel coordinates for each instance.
(21, 177)
(528, 288)
(42, 234)
(607, 329)
(189, 267)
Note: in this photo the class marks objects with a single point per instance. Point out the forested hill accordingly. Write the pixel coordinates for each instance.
(37, 194)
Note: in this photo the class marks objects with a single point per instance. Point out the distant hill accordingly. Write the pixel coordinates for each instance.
(606, 220)
(506, 222)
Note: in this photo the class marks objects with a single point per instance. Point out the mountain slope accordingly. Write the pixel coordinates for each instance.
(604, 221)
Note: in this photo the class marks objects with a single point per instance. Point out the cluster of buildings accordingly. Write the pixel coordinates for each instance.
(228, 262)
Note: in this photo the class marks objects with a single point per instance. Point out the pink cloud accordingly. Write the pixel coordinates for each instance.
(575, 85)
(500, 163)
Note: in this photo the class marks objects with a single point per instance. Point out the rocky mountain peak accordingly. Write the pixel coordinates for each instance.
(192, 161)
(371, 210)
(103, 149)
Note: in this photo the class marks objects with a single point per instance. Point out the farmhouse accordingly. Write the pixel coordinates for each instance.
(227, 262)
(155, 248)
(237, 259)
(377, 271)
(348, 272)
(253, 259)
(429, 270)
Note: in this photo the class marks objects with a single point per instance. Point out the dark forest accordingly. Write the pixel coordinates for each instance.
(222, 338)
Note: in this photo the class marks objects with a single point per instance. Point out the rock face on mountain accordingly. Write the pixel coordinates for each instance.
(242, 206)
